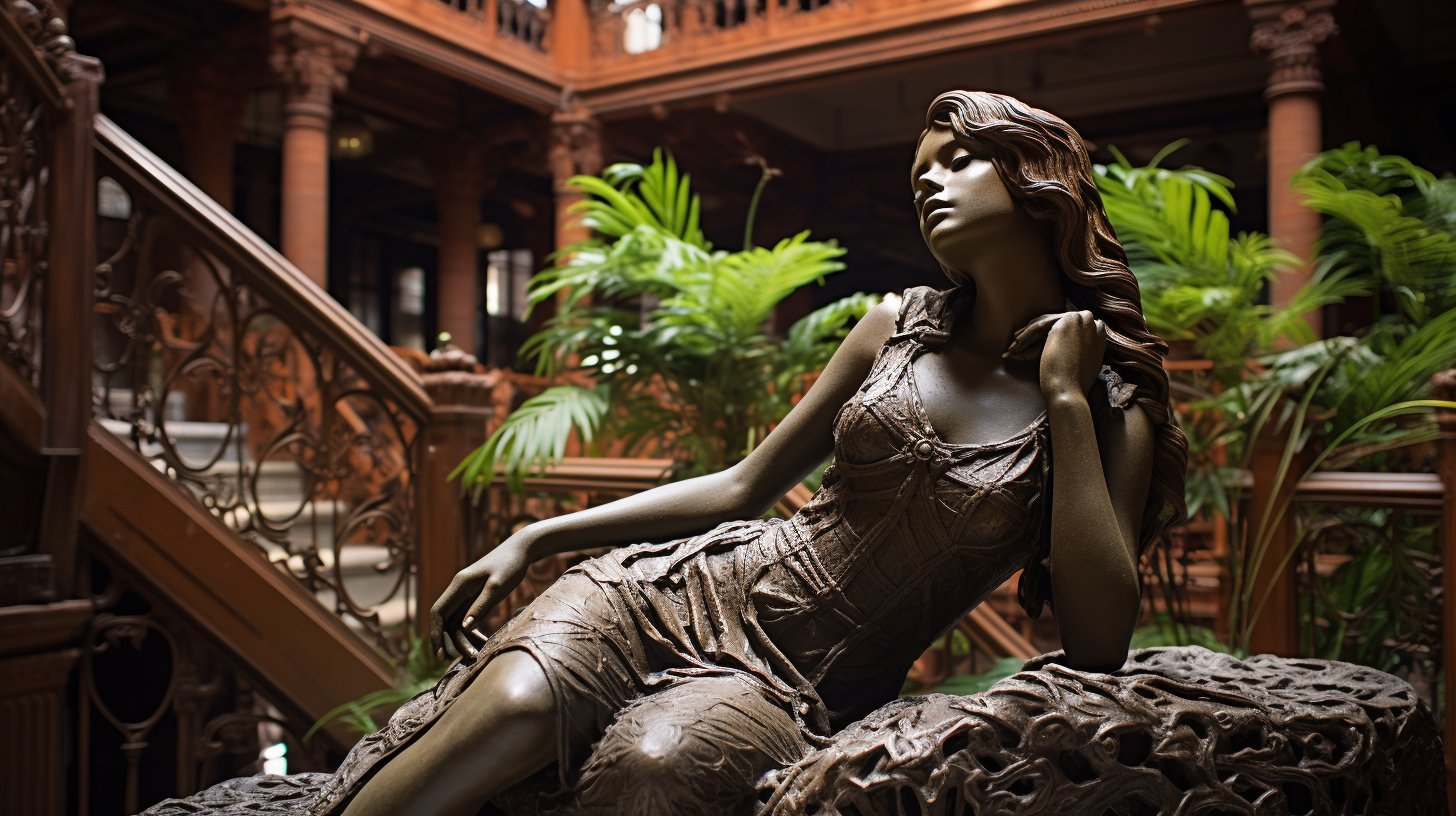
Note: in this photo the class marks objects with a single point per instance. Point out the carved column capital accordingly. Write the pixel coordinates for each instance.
(313, 64)
(1290, 34)
(575, 145)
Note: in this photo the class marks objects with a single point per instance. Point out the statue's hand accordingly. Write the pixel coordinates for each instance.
(1071, 345)
(480, 585)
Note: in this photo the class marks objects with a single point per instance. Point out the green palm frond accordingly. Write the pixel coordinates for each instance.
(671, 330)
(535, 436)
(813, 339)
(1390, 222)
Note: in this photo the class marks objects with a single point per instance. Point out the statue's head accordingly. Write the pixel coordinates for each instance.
(1042, 172)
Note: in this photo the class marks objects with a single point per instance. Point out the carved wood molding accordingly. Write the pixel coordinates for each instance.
(1290, 34)
(576, 145)
(313, 64)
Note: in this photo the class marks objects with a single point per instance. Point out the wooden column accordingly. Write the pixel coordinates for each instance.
(1277, 629)
(1445, 384)
(576, 149)
(209, 86)
(461, 175)
(457, 426)
(66, 374)
(312, 64)
(1290, 33)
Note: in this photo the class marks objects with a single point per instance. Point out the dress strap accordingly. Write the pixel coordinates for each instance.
(1120, 392)
(926, 314)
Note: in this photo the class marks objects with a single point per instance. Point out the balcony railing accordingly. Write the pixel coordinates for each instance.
(519, 20)
(639, 26)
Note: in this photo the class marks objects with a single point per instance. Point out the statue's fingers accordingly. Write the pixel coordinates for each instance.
(463, 644)
(483, 603)
(437, 621)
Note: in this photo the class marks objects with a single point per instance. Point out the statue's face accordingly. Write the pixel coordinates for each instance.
(959, 197)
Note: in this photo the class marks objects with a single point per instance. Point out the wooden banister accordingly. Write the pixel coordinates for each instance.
(600, 474)
(265, 270)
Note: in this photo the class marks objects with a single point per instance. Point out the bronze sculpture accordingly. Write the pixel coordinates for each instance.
(702, 662)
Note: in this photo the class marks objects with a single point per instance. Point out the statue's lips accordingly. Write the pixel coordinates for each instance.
(935, 211)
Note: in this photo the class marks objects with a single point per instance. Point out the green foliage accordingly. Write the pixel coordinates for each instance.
(536, 434)
(671, 331)
(1347, 401)
(963, 684)
(419, 672)
(1374, 609)
(1198, 282)
(1164, 631)
(1391, 225)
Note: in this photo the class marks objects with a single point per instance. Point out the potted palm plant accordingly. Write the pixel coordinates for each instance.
(670, 331)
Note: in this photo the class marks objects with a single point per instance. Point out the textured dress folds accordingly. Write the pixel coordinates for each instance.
(821, 614)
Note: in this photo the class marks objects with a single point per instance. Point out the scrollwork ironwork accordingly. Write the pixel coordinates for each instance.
(26, 121)
(152, 688)
(1370, 589)
(272, 430)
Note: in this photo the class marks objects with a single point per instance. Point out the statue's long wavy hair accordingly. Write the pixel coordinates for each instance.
(1045, 167)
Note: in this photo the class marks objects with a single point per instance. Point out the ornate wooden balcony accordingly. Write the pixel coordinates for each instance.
(631, 55)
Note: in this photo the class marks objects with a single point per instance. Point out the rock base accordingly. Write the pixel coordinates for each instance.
(1175, 732)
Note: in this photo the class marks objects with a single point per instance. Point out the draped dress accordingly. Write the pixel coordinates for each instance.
(821, 614)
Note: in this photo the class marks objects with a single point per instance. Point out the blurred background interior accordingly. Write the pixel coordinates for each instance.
(233, 232)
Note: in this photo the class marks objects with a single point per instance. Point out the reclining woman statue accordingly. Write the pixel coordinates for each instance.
(1017, 421)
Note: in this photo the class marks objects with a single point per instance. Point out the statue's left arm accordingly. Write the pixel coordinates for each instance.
(1101, 472)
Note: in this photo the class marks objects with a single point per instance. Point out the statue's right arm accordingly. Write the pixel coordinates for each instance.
(803, 440)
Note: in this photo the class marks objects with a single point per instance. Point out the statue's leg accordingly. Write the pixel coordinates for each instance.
(501, 730)
(696, 748)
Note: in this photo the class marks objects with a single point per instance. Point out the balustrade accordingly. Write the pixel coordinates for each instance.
(519, 20)
(638, 26)
(163, 713)
(241, 385)
(27, 118)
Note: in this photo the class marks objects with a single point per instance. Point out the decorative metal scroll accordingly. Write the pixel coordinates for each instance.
(1370, 589)
(26, 121)
(267, 426)
(163, 714)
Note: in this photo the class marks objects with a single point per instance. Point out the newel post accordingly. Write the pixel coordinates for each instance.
(1445, 386)
(66, 374)
(457, 426)
(1276, 630)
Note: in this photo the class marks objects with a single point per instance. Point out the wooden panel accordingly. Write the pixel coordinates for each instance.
(605, 473)
(20, 409)
(255, 611)
(444, 40)
(1422, 490)
(38, 627)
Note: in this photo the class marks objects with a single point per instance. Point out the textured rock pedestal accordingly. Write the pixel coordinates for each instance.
(1176, 732)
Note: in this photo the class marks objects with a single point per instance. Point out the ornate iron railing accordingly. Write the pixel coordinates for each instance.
(1369, 571)
(255, 392)
(25, 187)
(164, 714)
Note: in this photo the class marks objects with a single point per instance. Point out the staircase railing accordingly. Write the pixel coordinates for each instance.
(239, 380)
